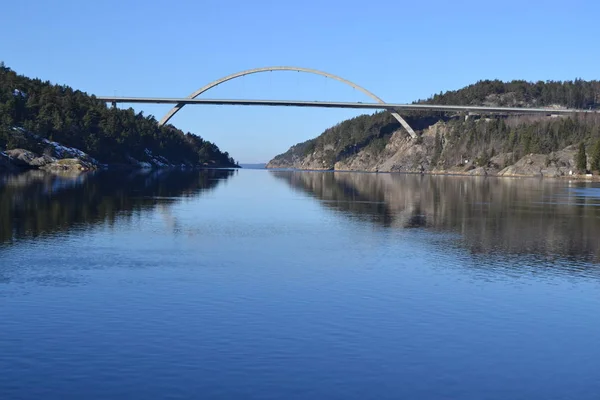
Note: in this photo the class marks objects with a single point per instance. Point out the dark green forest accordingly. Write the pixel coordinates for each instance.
(76, 119)
(578, 94)
(479, 136)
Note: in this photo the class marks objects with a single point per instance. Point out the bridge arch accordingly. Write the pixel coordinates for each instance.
(211, 85)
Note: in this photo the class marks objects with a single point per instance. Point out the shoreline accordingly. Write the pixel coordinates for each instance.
(578, 177)
(117, 167)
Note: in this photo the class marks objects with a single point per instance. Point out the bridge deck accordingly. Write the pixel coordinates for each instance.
(338, 104)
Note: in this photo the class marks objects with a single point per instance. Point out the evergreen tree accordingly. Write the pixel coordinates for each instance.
(596, 157)
(581, 159)
(484, 159)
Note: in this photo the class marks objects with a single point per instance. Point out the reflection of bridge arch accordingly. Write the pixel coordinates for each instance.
(211, 85)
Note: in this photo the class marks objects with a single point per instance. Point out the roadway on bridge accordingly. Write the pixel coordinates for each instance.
(338, 104)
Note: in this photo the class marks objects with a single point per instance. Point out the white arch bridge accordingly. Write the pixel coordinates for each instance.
(380, 104)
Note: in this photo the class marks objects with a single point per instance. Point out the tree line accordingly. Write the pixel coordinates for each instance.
(577, 94)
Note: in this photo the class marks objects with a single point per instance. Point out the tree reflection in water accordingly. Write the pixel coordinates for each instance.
(34, 203)
(541, 217)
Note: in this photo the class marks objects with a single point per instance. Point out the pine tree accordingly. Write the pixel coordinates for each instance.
(483, 159)
(596, 157)
(581, 159)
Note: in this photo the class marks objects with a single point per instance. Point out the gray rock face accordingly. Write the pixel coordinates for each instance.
(41, 161)
(313, 161)
(28, 159)
(479, 171)
(555, 164)
(404, 154)
(52, 159)
(69, 165)
(401, 154)
(21, 157)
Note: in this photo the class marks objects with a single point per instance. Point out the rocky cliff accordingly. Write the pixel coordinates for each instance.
(465, 144)
(434, 152)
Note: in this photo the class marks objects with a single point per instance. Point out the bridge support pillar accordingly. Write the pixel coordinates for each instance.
(405, 124)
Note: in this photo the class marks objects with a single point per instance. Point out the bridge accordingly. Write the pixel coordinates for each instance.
(379, 105)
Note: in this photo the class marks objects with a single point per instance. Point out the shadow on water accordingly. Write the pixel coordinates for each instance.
(543, 218)
(35, 203)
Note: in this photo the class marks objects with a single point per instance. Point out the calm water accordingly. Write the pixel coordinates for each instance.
(298, 285)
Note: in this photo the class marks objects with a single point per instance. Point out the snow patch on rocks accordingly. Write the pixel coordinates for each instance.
(158, 161)
(61, 151)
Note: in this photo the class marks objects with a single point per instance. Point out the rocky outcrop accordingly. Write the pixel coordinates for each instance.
(55, 157)
(20, 157)
(401, 154)
(27, 159)
(310, 162)
(69, 165)
(16, 159)
(300, 158)
(560, 163)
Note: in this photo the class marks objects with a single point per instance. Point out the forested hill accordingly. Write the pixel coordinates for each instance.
(451, 142)
(75, 119)
(577, 94)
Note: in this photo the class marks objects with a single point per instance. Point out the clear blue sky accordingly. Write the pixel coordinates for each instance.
(402, 51)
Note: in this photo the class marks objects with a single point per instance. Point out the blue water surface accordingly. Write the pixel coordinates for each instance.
(298, 285)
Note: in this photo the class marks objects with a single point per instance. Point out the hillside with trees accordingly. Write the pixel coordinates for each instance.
(577, 94)
(459, 143)
(73, 118)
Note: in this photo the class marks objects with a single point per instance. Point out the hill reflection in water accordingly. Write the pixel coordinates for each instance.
(36, 203)
(539, 217)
